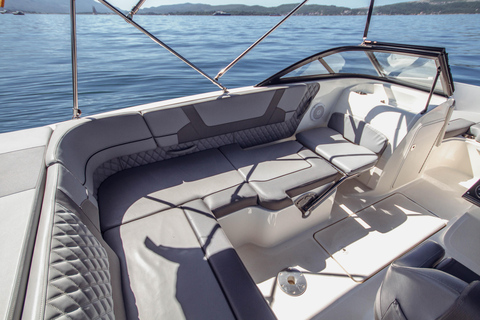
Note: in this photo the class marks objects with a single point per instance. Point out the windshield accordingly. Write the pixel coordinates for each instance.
(399, 67)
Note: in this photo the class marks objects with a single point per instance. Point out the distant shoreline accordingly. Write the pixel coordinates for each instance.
(248, 15)
(425, 7)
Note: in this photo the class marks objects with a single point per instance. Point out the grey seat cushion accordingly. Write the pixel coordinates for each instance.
(138, 192)
(280, 171)
(178, 264)
(358, 132)
(345, 155)
(241, 291)
(164, 271)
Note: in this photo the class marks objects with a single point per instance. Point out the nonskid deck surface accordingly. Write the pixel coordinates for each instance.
(346, 260)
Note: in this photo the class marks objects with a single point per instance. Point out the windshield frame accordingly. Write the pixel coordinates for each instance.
(437, 54)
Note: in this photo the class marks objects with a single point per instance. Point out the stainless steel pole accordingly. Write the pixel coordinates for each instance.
(76, 111)
(136, 8)
(164, 45)
(224, 70)
(434, 84)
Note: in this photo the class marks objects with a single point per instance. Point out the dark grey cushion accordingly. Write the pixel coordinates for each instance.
(331, 145)
(456, 269)
(414, 289)
(280, 171)
(358, 131)
(230, 200)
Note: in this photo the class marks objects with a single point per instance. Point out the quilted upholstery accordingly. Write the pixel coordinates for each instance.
(244, 138)
(78, 274)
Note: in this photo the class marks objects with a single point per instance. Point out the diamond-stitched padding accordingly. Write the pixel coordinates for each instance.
(245, 138)
(78, 275)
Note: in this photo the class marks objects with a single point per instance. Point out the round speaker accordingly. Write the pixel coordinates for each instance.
(317, 111)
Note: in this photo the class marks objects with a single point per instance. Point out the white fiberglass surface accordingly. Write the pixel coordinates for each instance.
(369, 240)
(389, 226)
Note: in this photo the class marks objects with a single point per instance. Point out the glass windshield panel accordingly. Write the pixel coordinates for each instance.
(356, 62)
(418, 71)
(310, 69)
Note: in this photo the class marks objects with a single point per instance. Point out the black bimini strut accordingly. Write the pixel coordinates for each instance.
(367, 24)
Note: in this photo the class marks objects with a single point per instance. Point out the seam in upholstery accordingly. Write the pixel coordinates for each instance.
(198, 236)
(110, 147)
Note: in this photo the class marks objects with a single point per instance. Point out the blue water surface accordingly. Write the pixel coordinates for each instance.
(120, 67)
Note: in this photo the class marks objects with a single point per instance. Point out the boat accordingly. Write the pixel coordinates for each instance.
(94, 11)
(221, 13)
(18, 13)
(345, 186)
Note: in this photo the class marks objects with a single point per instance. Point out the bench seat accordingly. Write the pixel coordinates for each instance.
(161, 221)
(183, 254)
(350, 144)
(141, 191)
(331, 145)
(280, 172)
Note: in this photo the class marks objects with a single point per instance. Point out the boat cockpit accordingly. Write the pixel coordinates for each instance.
(332, 190)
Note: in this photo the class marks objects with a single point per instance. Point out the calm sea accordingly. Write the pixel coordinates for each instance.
(120, 67)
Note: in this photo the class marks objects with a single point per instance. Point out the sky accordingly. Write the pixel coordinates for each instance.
(128, 4)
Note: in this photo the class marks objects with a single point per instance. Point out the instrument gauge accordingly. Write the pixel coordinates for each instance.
(477, 192)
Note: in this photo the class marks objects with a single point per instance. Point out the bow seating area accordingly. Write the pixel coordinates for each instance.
(132, 222)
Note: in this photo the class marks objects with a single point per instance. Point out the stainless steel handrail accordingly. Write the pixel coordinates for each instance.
(164, 45)
(224, 70)
(73, 23)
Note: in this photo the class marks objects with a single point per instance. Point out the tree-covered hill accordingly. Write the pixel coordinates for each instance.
(415, 7)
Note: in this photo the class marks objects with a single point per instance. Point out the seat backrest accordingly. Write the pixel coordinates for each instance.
(83, 145)
(74, 273)
(358, 131)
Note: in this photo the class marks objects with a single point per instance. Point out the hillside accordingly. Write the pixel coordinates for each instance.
(430, 7)
(53, 6)
(416, 7)
(237, 9)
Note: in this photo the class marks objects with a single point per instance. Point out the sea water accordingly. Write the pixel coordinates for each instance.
(120, 67)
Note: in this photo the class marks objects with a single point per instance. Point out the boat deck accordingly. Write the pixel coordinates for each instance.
(344, 263)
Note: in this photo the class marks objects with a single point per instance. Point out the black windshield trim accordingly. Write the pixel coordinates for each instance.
(437, 53)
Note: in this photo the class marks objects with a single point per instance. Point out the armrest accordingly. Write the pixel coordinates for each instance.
(426, 255)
